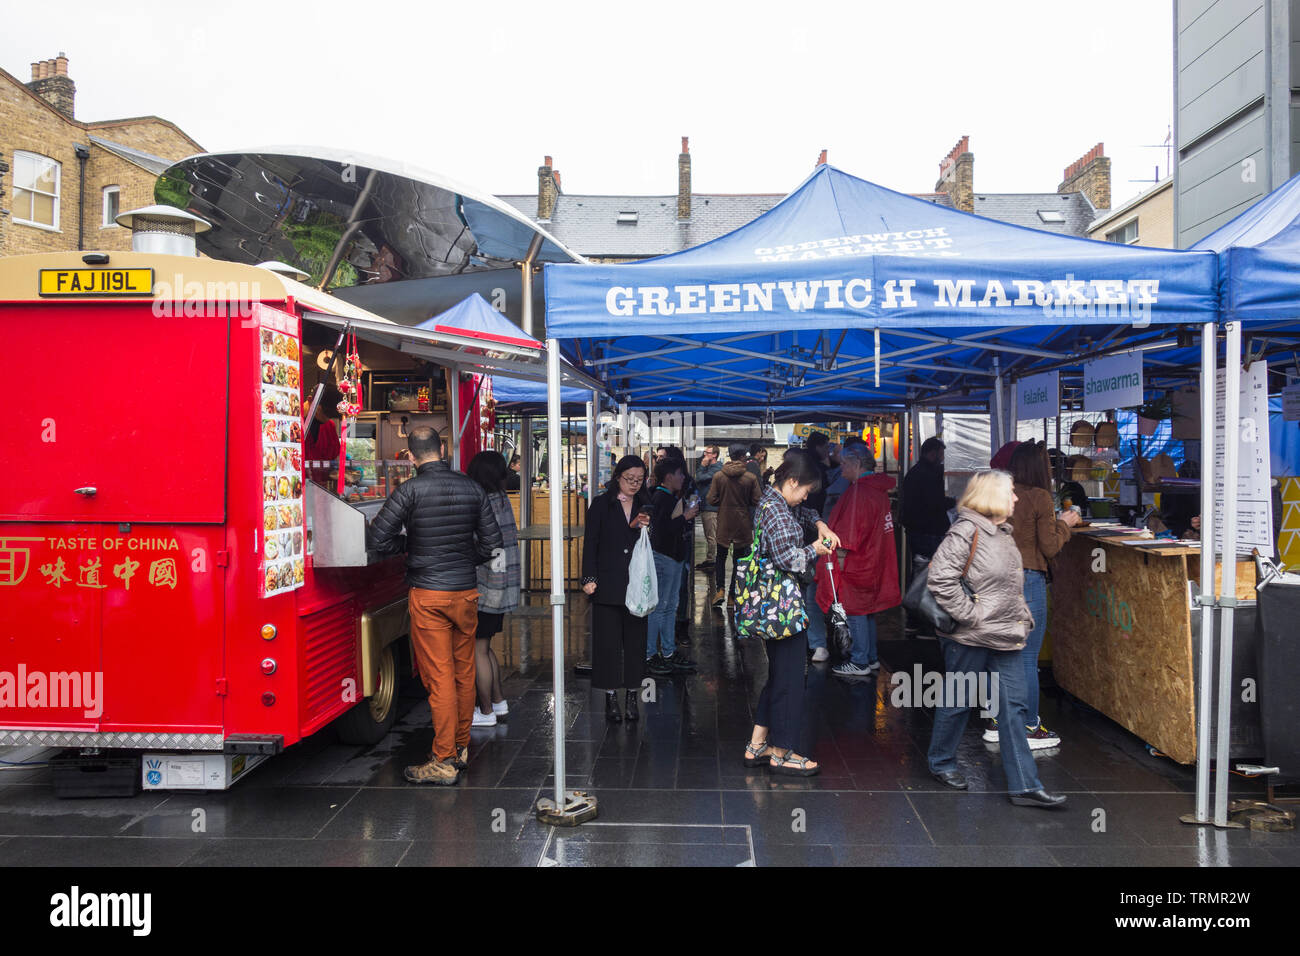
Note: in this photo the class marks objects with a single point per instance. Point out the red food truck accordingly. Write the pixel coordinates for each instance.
(173, 586)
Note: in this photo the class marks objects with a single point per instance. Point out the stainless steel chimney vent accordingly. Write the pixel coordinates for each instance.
(164, 230)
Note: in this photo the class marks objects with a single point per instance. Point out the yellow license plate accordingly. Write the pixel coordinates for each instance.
(96, 282)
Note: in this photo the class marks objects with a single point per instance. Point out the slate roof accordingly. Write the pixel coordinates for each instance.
(589, 224)
(1022, 209)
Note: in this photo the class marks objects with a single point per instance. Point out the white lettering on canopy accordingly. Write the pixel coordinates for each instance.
(1068, 296)
(906, 242)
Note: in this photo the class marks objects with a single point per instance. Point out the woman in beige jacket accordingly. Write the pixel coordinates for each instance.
(992, 624)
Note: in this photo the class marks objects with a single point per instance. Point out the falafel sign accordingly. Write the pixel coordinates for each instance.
(1038, 396)
(282, 564)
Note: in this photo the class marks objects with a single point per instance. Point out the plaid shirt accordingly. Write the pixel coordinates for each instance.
(782, 532)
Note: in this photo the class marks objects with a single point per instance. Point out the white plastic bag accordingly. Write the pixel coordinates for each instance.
(642, 582)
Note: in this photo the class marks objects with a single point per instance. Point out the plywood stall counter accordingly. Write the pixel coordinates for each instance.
(1122, 637)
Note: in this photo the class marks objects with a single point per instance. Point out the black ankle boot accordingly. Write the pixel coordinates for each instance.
(630, 703)
(611, 709)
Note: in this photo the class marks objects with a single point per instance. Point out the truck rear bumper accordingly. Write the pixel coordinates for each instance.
(128, 740)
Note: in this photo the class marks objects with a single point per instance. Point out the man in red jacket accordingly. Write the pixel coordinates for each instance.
(866, 569)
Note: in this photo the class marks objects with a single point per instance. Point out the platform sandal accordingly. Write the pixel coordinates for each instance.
(793, 766)
(756, 757)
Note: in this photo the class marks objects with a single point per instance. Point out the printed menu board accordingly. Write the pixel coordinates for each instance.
(282, 566)
(1254, 484)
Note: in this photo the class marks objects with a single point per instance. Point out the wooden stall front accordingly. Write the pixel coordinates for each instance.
(1122, 636)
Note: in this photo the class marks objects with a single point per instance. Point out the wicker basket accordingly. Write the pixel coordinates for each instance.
(1081, 434)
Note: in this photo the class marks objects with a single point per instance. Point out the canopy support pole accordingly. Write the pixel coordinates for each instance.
(1000, 431)
(594, 451)
(1206, 597)
(569, 807)
(526, 283)
(1227, 595)
(525, 494)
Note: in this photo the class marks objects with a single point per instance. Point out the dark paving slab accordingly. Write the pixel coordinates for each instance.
(833, 817)
(292, 812)
(439, 814)
(505, 852)
(989, 819)
(35, 811)
(1114, 857)
(891, 856)
(97, 851)
(276, 852)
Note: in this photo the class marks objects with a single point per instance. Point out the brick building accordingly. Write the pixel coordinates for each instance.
(63, 180)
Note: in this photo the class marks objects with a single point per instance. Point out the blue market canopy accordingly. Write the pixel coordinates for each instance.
(1259, 258)
(785, 310)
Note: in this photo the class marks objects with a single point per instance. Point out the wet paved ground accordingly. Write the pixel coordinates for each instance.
(672, 789)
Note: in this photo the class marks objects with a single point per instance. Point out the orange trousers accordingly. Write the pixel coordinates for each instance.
(443, 624)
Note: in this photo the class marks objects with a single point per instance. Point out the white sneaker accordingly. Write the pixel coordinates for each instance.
(849, 669)
(501, 708)
(820, 654)
(484, 720)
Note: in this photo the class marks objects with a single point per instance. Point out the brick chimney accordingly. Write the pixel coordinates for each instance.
(957, 176)
(50, 81)
(684, 180)
(821, 160)
(548, 188)
(1090, 175)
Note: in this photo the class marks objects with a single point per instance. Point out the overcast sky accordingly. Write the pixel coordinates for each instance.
(481, 91)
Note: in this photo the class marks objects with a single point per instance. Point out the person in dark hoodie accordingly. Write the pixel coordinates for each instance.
(866, 567)
(925, 506)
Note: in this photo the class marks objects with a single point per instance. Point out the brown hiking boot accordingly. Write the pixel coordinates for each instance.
(719, 597)
(461, 760)
(435, 772)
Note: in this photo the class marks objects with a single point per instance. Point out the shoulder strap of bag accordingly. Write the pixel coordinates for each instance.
(971, 557)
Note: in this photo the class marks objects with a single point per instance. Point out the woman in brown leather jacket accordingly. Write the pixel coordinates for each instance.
(992, 624)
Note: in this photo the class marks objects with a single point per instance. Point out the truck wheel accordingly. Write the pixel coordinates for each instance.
(370, 721)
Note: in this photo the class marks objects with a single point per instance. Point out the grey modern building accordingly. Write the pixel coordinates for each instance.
(1236, 107)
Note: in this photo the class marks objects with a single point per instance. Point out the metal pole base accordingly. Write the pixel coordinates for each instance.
(579, 808)
(1191, 818)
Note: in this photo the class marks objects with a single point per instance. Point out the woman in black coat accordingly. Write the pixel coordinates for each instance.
(618, 637)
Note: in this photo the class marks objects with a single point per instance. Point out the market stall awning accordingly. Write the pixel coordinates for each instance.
(787, 308)
(1259, 257)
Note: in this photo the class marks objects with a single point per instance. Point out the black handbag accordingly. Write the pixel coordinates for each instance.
(920, 601)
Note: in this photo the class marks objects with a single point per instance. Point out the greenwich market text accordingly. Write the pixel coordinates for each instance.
(857, 294)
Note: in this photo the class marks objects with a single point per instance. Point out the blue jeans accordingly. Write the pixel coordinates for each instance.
(661, 625)
(816, 618)
(950, 721)
(1036, 598)
(863, 629)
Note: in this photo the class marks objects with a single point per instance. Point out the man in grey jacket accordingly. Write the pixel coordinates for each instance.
(709, 468)
(450, 530)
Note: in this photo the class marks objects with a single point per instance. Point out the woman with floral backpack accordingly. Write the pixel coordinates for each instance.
(775, 610)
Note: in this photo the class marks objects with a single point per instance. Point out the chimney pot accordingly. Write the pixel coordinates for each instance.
(821, 160)
(61, 64)
(547, 161)
(36, 69)
(686, 144)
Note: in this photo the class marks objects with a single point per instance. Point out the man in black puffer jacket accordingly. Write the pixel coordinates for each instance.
(449, 532)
